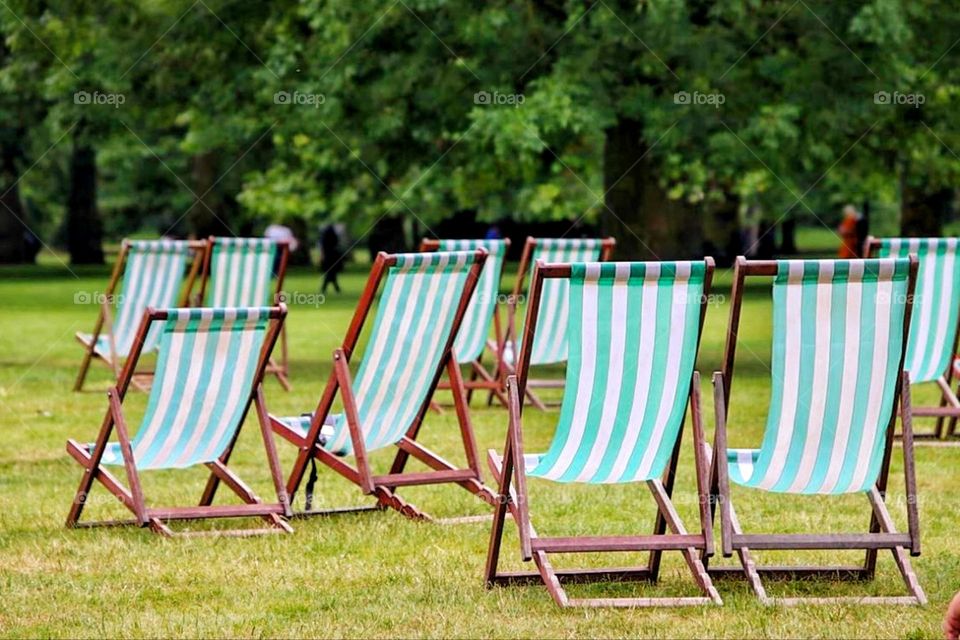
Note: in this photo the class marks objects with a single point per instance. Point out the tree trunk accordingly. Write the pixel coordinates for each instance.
(788, 236)
(207, 216)
(84, 230)
(387, 235)
(646, 222)
(922, 213)
(13, 249)
(721, 230)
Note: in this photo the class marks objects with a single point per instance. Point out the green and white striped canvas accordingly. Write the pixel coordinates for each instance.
(550, 341)
(933, 324)
(205, 371)
(837, 345)
(413, 324)
(634, 329)
(475, 329)
(241, 272)
(152, 277)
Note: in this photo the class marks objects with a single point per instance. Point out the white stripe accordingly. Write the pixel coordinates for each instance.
(922, 353)
(850, 379)
(581, 408)
(871, 425)
(745, 464)
(222, 357)
(190, 394)
(165, 387)
(790, 384)
(618, 321)
(671, 372)
(822, 367)
(944, 301)
(375, 406)
(238, 395)
(410, 364)
(645, 364)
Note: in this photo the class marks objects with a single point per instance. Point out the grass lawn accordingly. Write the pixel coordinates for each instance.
(379, 574)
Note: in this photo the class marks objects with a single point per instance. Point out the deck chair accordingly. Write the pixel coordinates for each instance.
(634, 331)
(551, 341)
(153, 275)
(425, 296)
(839, 330)
(471, 340)
(209, 370)
(934, 326)
(237, 272)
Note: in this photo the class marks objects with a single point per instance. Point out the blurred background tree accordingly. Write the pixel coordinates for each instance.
(682, 127)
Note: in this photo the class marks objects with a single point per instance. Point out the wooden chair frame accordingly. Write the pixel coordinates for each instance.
(105, 319)
(383, 487)
(881, 535)
(513, 497)
(280, 369)
(606, 250)
(133, 498)
(480, 377)
(949, 406)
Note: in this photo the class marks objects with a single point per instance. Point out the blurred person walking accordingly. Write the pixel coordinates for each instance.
(331, 258)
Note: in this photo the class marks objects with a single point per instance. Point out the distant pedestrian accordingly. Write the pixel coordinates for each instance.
(331, 258)
(848, 233)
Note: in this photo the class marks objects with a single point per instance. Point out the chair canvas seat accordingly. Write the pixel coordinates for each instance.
(836, 376)
(935, 325)
(209, 368)
(632, 386)
(153, 275)
(633, 331)
(834, 370)
(423, 302)
(239, 272)
(550, 342)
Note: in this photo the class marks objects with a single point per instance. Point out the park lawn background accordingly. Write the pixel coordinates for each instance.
(379, 574)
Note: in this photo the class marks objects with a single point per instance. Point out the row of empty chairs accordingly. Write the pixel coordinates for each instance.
(841, 358)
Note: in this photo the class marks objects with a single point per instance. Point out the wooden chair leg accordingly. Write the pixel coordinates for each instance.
(84, 367)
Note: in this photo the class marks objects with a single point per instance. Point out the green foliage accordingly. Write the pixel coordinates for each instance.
(385, 114)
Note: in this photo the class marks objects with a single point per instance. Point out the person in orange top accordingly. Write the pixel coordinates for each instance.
(848, 233)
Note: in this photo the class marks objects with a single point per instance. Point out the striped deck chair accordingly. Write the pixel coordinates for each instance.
(550, 346)
(634, 331)
(934, 326)
(839, 330)
(209, 371)
(153, 275)
(425, 296)
(474, 332)
(238, 272)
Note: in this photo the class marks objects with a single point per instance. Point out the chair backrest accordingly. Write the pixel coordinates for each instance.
(838, 344)
(417, 317)
(153, 275)
(550, 342)
(933, 324)
(634, 331)
(207, 368)
(475, 328)
(239, 272)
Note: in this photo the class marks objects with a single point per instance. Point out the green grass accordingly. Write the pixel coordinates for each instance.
(379, 574)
